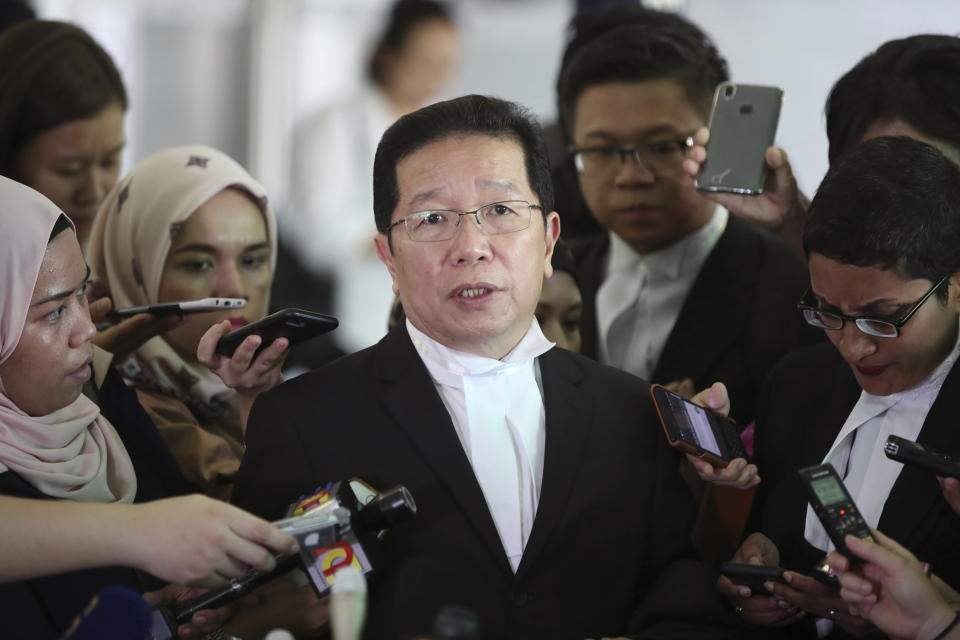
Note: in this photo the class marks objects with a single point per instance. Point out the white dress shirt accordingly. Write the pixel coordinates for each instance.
(497, 409)
(641, 296)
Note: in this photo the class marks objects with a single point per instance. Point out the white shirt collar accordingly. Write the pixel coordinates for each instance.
(440, 358)
(683, 256)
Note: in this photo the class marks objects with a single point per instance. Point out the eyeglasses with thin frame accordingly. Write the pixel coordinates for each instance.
(496, 218)
(660, 158)
(877, 327)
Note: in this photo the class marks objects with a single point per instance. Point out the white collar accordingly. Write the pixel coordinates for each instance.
(451, 364)
(684, 255)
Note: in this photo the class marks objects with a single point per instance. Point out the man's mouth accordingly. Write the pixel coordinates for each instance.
(475, 292)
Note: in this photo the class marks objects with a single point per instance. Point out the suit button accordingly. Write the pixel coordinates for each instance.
(519, 598)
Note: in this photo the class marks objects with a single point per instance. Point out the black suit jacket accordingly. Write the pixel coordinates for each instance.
(737, 321)
(612, 511)
(805, 403)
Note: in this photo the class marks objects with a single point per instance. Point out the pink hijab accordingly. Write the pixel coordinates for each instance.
(73, 453)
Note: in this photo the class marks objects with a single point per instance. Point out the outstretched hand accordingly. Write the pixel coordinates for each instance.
(738, 473)
(129, 334)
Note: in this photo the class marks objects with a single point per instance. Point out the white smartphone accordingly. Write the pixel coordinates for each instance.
(202, 305)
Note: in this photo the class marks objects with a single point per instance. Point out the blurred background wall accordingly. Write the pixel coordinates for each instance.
(238, 74)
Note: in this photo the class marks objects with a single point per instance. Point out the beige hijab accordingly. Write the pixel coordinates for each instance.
(129, 243)
(73, 453)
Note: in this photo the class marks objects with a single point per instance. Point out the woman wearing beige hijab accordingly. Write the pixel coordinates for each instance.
(188, 223)
(57, 448)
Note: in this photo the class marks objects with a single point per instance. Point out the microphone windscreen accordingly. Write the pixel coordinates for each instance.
(348, 604)
(116, 613)
(456, 623)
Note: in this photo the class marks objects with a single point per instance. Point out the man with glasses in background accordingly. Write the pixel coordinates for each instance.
(548, 499)
(881, 240)
(677, 292)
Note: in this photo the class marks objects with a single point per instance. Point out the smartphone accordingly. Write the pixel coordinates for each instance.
(184, 306)
(296, 325)
(915, 454)
(696, 430)
(751, 575)
(833, 505)
(743, 123)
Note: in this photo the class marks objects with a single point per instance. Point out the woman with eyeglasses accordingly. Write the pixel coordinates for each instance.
(882, 242)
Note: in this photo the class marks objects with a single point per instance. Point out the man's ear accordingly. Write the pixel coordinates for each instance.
(385, 254)
(551, 233)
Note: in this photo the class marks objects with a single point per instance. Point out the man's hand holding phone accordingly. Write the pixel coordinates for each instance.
(781, 207)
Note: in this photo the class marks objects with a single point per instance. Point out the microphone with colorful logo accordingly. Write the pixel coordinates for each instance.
(336, 526)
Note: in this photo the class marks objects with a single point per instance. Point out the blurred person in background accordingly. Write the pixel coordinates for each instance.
(189, 223)
(328, 226)
(560, 304)
(62, 104)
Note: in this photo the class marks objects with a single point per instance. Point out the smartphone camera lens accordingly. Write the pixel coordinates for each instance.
(729, 91)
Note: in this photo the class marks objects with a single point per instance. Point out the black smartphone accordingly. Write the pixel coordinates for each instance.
(751, 575)
(693, 429)
(743, 123)
(296, 325)
(202, 305)
(833, 505)
(917, 455)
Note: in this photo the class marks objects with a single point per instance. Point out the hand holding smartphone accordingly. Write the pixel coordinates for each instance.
(296, 325)
(203, 305)
(693, 429)
(752, 576)
(743, 124)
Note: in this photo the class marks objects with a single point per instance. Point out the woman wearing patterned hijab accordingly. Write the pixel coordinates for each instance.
(188, 223)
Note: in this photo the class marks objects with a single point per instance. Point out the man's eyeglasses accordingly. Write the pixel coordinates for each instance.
(497, 218)
(833, 321)
(660, 158)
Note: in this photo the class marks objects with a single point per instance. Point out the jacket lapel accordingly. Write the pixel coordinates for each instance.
(569, 412)
(716, 308)
(414, 403)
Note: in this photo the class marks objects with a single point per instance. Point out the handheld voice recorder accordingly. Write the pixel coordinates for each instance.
(833, 505)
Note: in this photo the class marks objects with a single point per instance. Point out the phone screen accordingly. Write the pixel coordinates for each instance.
(828, 490)
(694, 424)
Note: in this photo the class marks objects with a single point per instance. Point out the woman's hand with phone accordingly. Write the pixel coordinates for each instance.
(738, 473)
(249, 375)
(129, 334)
(781, 207)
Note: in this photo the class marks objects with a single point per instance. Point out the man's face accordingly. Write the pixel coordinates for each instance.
(885, 365)
(647, 210)
(474, 292)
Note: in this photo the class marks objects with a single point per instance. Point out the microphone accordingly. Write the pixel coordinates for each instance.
(333, 532)
(348, 604)
(115, 613)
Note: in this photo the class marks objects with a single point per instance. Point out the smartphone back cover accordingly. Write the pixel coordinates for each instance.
(743, 123)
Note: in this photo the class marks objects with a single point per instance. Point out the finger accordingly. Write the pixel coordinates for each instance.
(242, 358)
(261, 533)
(731, 591)
(702, 136)
(856, 595)
(776, 158)
(206, 348)
(837, 562)
(806, 584)
(272, 356)
(718, 399)
(685, 388)
(703, 468)
(99, 309)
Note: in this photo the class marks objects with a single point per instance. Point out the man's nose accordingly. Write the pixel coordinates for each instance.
(632, 171)
(470, 244)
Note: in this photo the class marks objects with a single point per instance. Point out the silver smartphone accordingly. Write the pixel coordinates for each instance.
(184, 306)
(743, 124)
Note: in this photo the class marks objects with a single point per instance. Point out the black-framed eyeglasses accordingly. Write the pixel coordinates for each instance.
(496, 218)
(660, 158)
(880, 328)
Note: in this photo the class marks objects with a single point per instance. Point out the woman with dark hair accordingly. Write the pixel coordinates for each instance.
(61, 116)
(328, 225)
